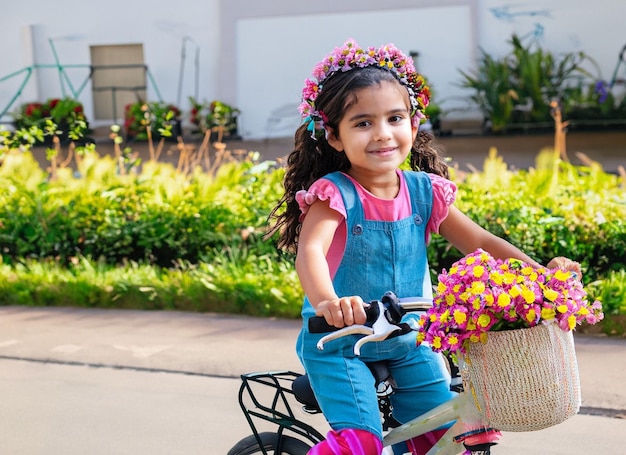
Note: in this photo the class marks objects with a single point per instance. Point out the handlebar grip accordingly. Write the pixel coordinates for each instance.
(318, 324)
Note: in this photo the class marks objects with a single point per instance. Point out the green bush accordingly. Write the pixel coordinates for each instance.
(159, 216)
(553, 209)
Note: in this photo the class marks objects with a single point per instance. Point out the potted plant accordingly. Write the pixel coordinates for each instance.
(216, 117)
(66, 114)
(163, 120)
(515, 92)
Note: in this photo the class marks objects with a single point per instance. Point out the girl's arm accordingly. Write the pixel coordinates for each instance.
(467, 236)
(318, 230)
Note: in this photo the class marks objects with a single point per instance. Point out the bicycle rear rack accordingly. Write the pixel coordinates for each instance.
(273, 388)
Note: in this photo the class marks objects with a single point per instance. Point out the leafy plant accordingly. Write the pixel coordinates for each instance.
(145, 120)
(215, 116)
(519, 87)
(64, 118)
(494, 90)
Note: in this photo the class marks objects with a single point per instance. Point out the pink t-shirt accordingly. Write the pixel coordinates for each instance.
(374, 208)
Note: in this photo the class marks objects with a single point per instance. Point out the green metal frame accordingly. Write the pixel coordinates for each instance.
(65, 80)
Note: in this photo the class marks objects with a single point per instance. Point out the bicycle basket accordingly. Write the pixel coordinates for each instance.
(524, 379)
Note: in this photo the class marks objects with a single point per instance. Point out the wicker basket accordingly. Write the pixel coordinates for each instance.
(525, 379)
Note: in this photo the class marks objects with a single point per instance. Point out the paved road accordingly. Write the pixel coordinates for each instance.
(77, 381)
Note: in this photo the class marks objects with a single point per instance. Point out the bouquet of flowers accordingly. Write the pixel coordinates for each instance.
(481, 294)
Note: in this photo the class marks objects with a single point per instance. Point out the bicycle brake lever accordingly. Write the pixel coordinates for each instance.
(381, 329)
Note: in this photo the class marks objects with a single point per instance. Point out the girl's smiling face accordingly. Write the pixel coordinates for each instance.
(375, 132)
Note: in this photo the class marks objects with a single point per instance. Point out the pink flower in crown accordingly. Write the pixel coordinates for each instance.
(311, 89)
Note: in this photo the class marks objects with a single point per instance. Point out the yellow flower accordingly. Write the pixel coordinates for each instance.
(528, 295)
(496, 278)
(531, 315)
(436, 342)
(441, 288)
(550, 294)
(470, 260)
(561, 275)
(450, 299)
(504, 300)
(478, 271)
(478, 287)
(548, 313)
(509, 278)
(571, 322)
(562, 308)
(421, 336)
(460, 317)
(484, 320)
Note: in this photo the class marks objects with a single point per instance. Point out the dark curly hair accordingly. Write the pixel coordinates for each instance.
(312, 159)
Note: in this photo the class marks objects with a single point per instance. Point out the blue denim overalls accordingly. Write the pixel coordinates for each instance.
(380, 256)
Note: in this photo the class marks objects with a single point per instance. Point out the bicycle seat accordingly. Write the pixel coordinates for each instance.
(303, 392)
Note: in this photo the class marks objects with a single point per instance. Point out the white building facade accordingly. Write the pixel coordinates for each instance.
(256, 54)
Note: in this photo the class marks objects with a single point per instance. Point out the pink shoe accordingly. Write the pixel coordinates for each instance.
(348, 442)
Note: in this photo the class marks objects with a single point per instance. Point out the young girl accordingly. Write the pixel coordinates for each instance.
(360, 227)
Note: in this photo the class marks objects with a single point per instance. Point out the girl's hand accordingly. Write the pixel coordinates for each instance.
(342, 312)
(566, 264)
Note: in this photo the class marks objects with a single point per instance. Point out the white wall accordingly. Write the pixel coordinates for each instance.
(270, 76)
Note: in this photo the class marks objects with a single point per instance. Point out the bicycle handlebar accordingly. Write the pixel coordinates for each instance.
(383, 320)
(318, 324)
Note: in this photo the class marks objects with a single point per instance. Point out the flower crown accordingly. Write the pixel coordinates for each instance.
(351, 56)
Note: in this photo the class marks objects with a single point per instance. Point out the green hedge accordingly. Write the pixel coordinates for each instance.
(166, 240)
(160, 216)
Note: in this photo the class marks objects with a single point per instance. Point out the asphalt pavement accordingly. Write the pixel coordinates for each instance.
(220, 347)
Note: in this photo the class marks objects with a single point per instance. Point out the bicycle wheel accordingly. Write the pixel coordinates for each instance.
(289, 445)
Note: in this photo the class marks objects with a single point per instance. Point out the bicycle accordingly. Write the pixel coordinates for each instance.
(293, 436)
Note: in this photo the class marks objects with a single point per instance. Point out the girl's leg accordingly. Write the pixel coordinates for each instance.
(343, 385)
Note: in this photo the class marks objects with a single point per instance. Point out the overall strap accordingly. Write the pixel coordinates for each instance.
(349, 194)
(421, 193)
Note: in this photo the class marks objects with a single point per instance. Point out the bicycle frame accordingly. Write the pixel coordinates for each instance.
(280, 413)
